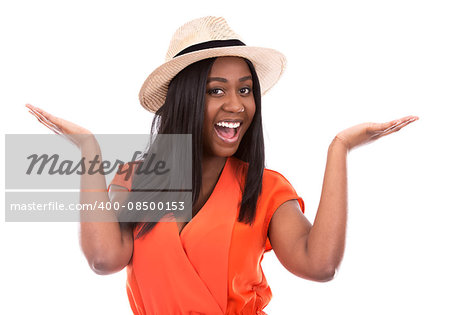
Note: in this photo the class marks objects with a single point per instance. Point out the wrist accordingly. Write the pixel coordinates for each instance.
(89, 144)
(339, 142)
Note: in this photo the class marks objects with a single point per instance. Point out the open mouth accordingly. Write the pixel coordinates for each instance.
(228, 131)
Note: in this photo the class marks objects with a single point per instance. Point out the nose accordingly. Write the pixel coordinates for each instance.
(233, 103)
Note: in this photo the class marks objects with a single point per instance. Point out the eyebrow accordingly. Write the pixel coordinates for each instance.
(249, 77)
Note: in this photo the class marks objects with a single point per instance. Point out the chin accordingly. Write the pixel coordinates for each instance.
(223, 151)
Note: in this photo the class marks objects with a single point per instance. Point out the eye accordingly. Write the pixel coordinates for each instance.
(215, 91)
(245, 90)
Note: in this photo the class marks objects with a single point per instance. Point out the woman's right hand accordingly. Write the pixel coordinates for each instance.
(78, 135)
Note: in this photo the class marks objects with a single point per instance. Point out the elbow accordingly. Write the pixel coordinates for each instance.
(105, 265)
(326, 274)
(106, 258)
(101, 267)
(316, 273)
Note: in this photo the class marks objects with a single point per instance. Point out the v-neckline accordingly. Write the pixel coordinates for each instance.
(213, 193)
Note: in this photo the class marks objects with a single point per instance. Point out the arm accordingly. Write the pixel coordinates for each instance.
(106, 247)
(315, 251)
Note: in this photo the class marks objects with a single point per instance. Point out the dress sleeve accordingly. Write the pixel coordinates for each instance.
(121, 178)
(277, 190)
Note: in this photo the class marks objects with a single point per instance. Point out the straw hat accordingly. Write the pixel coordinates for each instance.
(205, 38)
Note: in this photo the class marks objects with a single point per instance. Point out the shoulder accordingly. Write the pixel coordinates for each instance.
(124, 174)
(274, 183)
(274, 177)
(276, 190)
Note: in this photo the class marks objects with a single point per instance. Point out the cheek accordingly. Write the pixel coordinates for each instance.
(251, 109)
(208, 119)
(212, 107)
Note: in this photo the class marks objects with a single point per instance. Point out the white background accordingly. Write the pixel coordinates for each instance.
(348, 62)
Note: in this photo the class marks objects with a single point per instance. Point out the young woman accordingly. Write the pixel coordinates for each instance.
(210, 86)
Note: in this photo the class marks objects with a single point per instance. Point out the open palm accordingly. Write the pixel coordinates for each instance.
(74, 133)
(367, 132)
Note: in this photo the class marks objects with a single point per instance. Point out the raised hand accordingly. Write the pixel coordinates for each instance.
(74, 133)
(367, 132)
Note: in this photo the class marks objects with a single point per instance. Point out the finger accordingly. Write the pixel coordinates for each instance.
(381, 127)
(403, 122)
(47, 125)
(45, 114)
(406, 118)
(37, 114)
(40, 112)
(55, 130)
(40, 118)
(395, 123)
(396, 127)
(399, 124)
(392, 129)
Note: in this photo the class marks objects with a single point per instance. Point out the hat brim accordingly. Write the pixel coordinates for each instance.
(269, 65)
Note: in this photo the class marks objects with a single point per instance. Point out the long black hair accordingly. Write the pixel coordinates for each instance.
(183, 113)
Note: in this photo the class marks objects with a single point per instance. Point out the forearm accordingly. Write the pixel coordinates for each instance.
(99, 240)
(326, 240)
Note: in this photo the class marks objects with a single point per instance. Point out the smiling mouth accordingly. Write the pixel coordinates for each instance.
(228, 131)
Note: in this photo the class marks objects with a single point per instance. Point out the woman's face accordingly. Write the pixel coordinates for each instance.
(229, 106)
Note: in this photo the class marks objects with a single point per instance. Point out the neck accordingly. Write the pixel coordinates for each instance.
(212, 165)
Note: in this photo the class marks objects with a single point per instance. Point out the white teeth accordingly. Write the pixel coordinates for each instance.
(228, 125)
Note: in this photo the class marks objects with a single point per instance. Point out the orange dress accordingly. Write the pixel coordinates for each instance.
(214, 265)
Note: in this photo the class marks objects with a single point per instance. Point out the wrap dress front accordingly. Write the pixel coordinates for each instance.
(214, 265)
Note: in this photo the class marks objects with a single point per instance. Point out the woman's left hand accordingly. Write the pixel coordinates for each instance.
(367, 132)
